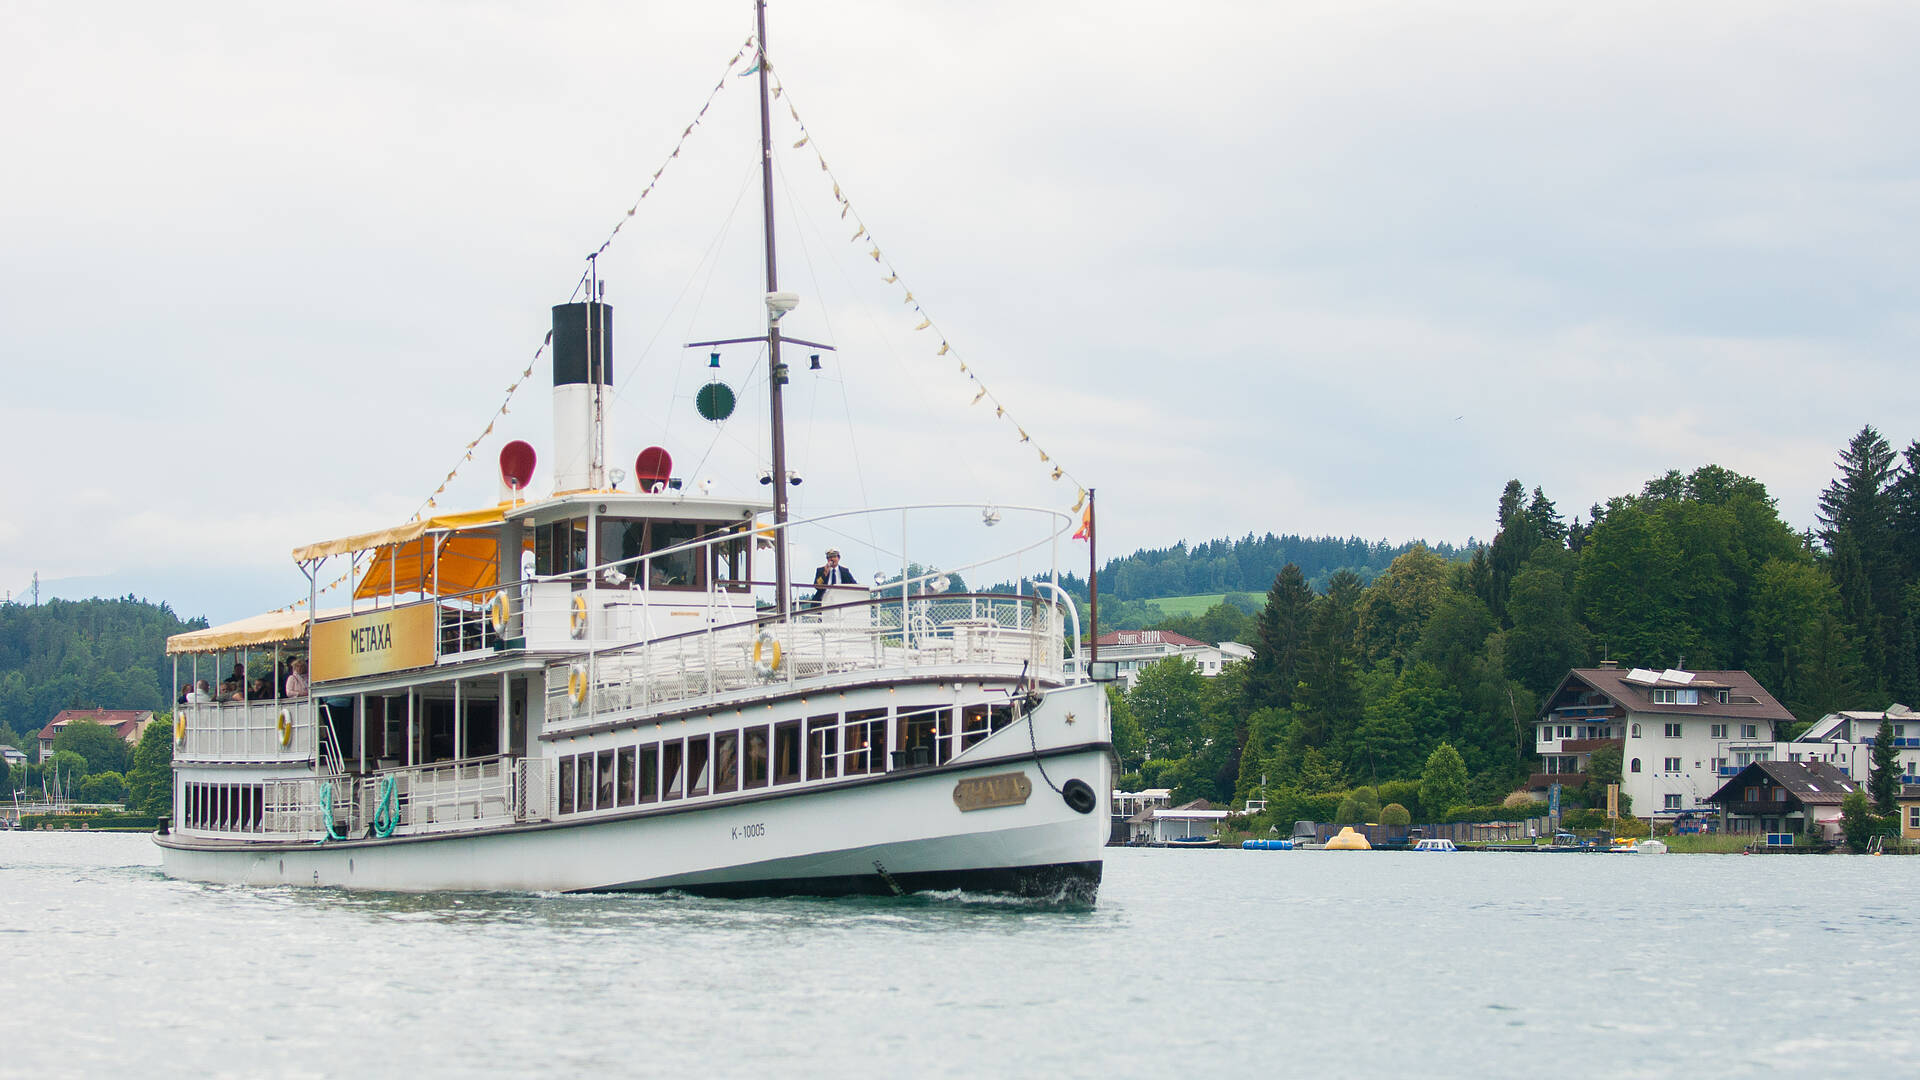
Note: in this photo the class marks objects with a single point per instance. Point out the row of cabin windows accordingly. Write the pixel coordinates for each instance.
(764, 755)
(223, 807)
(560, 547)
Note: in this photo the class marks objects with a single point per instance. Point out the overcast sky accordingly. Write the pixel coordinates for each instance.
(1302, 267)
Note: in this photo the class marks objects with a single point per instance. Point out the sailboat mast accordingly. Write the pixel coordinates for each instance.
(776, 371)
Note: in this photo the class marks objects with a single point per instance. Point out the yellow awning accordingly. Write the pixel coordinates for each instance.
(400, 534)
(266, 629)
(466, 562)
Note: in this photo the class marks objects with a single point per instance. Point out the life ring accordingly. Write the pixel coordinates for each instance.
(578, 620)
(284, 725)
(766, 654)
(180, 730)
(577, 684)
(497, 612)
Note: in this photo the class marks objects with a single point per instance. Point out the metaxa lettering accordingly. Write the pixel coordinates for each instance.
(368, 639)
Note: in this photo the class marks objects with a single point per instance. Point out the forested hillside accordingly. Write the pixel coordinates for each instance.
(85, 653)
(1361, 684)
(1245, 565)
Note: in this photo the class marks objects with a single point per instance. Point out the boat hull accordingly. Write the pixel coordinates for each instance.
(904, 832)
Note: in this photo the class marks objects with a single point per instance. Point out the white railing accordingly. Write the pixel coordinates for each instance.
(974, 631)
(444, 798)
(247, 731)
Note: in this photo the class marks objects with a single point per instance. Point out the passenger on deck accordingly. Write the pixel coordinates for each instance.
(258, 690)
(186, 693)
(202, 694)
(297, 681)
(831, 574)
(233, 687)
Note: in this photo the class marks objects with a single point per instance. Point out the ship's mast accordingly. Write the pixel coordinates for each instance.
(776, 371)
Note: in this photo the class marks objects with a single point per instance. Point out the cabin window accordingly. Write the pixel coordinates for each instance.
(999, 716)
(566, 784)
(920, 733)
(625, 781)
(604, 788)
(756, 757)
(726, 762)
(823, 746)
(866, 742)
(671, 773)
(650, 773)
(1636, 765)
(698, 760)
(786, 752)
(583, 791)
(973, 726)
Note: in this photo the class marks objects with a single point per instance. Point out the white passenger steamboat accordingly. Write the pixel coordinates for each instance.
(617, 686)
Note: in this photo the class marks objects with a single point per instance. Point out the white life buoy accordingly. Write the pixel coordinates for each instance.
(578, 619)
(766, 654)
(577, 683)
(284, 725)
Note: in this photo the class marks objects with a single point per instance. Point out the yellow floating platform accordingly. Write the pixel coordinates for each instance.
(1348, 840)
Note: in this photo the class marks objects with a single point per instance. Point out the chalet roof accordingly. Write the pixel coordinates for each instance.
(1636, 696)
(124, 722)
(1810, 783)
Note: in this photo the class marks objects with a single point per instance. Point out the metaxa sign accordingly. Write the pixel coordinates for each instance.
(391, 640)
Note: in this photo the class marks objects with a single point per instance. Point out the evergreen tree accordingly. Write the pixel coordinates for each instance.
(1856, 525)
(1883, 779)
(1511, 546)
(1329, 697)
(1274, 671)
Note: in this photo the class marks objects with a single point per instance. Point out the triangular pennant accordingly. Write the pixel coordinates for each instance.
(1078, 502)
(1056, 472)
(924, 323)
(943, 349)
(978, 396)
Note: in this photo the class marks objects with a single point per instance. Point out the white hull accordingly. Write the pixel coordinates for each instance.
(901, 832)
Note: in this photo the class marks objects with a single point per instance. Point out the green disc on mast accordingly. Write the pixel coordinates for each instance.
(715, 401)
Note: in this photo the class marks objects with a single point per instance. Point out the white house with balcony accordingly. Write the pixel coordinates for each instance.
(1681, 733)
(1133, 650)
(1847, 739)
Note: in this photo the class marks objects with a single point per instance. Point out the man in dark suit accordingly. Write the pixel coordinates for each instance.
(831, 574)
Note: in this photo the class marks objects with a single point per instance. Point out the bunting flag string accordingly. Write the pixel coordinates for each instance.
(862, 235)
(467, 451)
(746, 48)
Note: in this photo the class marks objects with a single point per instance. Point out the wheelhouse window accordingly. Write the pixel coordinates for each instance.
(560, 547)
(680, 570)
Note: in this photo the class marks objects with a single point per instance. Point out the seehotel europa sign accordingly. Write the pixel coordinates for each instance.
(390, 640)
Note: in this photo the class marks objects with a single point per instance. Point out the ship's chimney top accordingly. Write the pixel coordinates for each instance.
(582, 372)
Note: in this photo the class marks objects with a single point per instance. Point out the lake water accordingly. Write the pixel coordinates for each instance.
(1194, 964)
